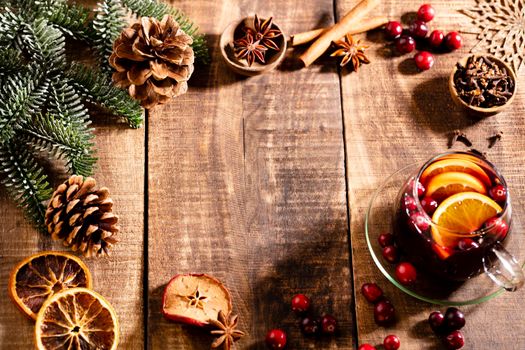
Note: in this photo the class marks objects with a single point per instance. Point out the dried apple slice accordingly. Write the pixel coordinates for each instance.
(195, 299)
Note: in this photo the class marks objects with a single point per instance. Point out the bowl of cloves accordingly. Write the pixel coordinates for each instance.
(483, 85)
(253, 45)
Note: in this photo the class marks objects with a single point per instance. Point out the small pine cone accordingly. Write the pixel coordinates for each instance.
(82, 217)
(153, 60)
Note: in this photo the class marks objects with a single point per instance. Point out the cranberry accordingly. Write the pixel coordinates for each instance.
(391, 342)
(467, 244)
(418, 222)
(310, 326)
(300, 303)
(276, 339)
(371, 292)
(454, 319)
(496, 226)
(409, 203)
(385, 239)
(418, 29)
(429, 205)
(436, 39)
(426, 13)
(366, 347)
(436, 320)
(328, 324)
(454, 340)
(393, 29)
(390, 254)
(406, 273)
(498, 193)
(420, 188)
(453, 41)
(384, 312)
(424, 60)
(405, 44)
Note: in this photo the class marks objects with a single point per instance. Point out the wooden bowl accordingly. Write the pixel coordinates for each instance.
(273, 57)
(481, 111)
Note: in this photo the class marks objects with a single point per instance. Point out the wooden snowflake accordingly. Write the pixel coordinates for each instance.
(500, 28)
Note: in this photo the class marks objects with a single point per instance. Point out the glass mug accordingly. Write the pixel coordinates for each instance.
(453, 218)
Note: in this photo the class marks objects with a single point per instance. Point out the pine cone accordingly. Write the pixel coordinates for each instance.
(154, 60)
(82, 217)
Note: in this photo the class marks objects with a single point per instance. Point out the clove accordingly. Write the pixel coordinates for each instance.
(495, 138)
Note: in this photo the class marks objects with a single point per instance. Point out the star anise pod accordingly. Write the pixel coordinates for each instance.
(264, 33)
(351, 50)
(249, 49)
(226, 331)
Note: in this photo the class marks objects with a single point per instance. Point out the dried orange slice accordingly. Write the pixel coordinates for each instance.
(462, 213)
(444, 185)
(454, 165)
(41, 275)
(79, 319)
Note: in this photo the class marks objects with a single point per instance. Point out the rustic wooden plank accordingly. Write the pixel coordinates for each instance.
(401, 116)
(246, 182)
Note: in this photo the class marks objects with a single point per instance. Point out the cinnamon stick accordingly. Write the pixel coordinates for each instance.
(360, 26)
(337, 31)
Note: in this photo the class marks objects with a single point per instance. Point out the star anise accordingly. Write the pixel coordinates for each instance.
(249, 49)
(226, 331)
(264, 33)
(351, 50)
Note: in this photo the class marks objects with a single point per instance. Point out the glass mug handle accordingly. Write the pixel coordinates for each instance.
(503, 269)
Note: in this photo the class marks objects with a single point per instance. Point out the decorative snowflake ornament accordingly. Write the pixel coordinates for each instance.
(500, 29)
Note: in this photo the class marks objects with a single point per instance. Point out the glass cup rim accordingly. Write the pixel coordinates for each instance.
(506, 208)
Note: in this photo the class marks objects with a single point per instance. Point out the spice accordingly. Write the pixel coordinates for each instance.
(459, 136)
(264, 32)
(483, 83)
(352, 51)
(226, 330)
(249, 49)
(495, 138)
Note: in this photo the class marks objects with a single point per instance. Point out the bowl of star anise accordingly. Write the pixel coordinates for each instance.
(253, 45)
(483, 85)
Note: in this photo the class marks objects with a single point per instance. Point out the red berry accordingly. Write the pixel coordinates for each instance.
(405, 44)
(467, 244)
(385, 239)
(453, 41)
(371, 292)
(420, 188)
(276, 339)
(424, 60)
(418, 222)
(454, 340)
(393, 29)
(454, 319)
(384, 312)
(426, 13)
(418, 29)
(409, 203)
(429, 205)
(406, 273)
(328, 324)
(391, 342)
(436, 39)
(310, 326)
(366, 347)
(436, 320)
(496, 226)
(390, 254)
(498, 193)
(300, 303)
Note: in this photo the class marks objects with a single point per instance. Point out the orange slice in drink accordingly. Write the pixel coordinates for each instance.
(454, 165)
(461, 214)
(41, 275)
(76, 318)
(447, 184)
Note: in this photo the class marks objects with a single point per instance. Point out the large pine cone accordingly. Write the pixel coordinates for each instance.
(82, 217)
(154, 60)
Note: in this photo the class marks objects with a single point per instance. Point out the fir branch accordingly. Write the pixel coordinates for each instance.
(97, 88)
(152, 8)
(45, 44)
(10, 27)
(63, 140)
(25, 181)
(10, 63)
(66, 104)
(107, 26)
(72, 20)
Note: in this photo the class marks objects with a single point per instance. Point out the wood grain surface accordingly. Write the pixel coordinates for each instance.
(264, 183)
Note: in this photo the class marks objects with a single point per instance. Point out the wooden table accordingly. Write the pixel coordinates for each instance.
(264, 182)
